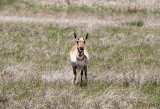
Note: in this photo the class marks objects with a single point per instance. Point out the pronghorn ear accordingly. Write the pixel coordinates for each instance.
(75, 36)
(86, 36)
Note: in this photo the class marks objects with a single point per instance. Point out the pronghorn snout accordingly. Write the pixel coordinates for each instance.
(81, 48)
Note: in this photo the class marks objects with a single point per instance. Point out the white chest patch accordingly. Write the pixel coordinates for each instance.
(81, 63)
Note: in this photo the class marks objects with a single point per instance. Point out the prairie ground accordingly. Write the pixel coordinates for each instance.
(124, 47)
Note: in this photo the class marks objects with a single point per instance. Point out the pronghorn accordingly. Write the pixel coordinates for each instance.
(79, 57)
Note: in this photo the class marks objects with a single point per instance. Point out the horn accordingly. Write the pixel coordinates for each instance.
(75, 36)
(86, 36)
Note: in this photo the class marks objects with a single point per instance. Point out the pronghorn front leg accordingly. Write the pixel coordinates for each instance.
(81, 76)
(85, 70)
(75, 74)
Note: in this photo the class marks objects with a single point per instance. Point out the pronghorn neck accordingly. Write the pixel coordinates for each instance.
(80, 57)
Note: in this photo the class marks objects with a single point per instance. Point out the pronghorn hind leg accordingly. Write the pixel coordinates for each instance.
(75, 74)
(85, 70)
(81, 76)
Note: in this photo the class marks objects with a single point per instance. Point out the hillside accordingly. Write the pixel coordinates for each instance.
(124, 47)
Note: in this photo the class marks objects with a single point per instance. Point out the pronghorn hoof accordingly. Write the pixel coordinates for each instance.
(74, 82)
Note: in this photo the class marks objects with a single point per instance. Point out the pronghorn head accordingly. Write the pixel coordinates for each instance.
(80, 44)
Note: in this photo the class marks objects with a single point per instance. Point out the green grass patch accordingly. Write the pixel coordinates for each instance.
(93, 89)
(31, 5)
(54, 31)
(153, 92)
(4, 3)
(100, 48)
(20, 89)
(84, 9)
(100, 10)
(140, 53)
(135, 23)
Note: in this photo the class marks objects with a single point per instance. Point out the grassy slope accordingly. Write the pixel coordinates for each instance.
(36, 73)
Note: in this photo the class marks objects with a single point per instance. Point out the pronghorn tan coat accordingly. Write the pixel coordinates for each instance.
(75, 61)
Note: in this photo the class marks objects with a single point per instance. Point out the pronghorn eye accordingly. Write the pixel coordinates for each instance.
(77, 42)
(84, 42)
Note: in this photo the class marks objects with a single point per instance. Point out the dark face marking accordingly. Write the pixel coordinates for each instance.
(80, 46)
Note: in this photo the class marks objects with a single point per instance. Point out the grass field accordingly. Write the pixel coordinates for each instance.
(123, 44)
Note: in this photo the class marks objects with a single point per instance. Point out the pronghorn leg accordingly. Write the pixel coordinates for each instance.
(75, 74)
(85, 70)
(81, 76)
